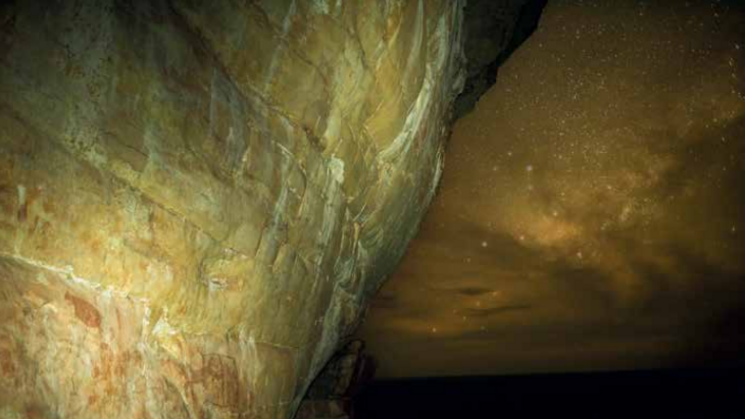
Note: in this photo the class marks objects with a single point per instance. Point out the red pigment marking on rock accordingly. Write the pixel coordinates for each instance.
(219, 378)
(34, 412)
(6, 364)
(85, 311)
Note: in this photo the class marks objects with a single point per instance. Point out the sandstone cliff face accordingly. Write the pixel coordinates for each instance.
(196, 197)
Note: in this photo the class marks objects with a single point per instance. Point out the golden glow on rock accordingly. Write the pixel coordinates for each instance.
(198, 198)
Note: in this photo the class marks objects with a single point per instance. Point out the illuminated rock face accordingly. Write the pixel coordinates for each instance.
(197, 197)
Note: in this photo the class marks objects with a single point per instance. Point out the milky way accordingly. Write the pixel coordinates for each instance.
(592, 209)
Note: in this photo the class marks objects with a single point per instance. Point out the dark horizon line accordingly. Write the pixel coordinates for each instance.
(668, 371)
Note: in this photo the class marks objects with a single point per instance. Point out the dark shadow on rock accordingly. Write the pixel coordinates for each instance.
(333, 392)
(494, 29)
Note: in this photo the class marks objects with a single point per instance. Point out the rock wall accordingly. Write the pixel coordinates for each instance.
(196, 197)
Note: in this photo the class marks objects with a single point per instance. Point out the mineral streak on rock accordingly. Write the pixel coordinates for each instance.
(196, 198)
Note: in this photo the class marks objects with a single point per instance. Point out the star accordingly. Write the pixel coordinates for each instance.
(633, 213)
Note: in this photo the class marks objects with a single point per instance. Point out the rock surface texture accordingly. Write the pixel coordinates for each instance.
(197, 197)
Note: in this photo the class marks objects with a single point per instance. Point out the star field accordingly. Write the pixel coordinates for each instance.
(592, 206)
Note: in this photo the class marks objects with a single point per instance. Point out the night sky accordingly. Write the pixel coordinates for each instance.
(591, 214)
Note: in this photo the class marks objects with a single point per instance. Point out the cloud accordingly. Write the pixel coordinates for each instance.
(493, 311)
(472, 291)
(624, 238)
